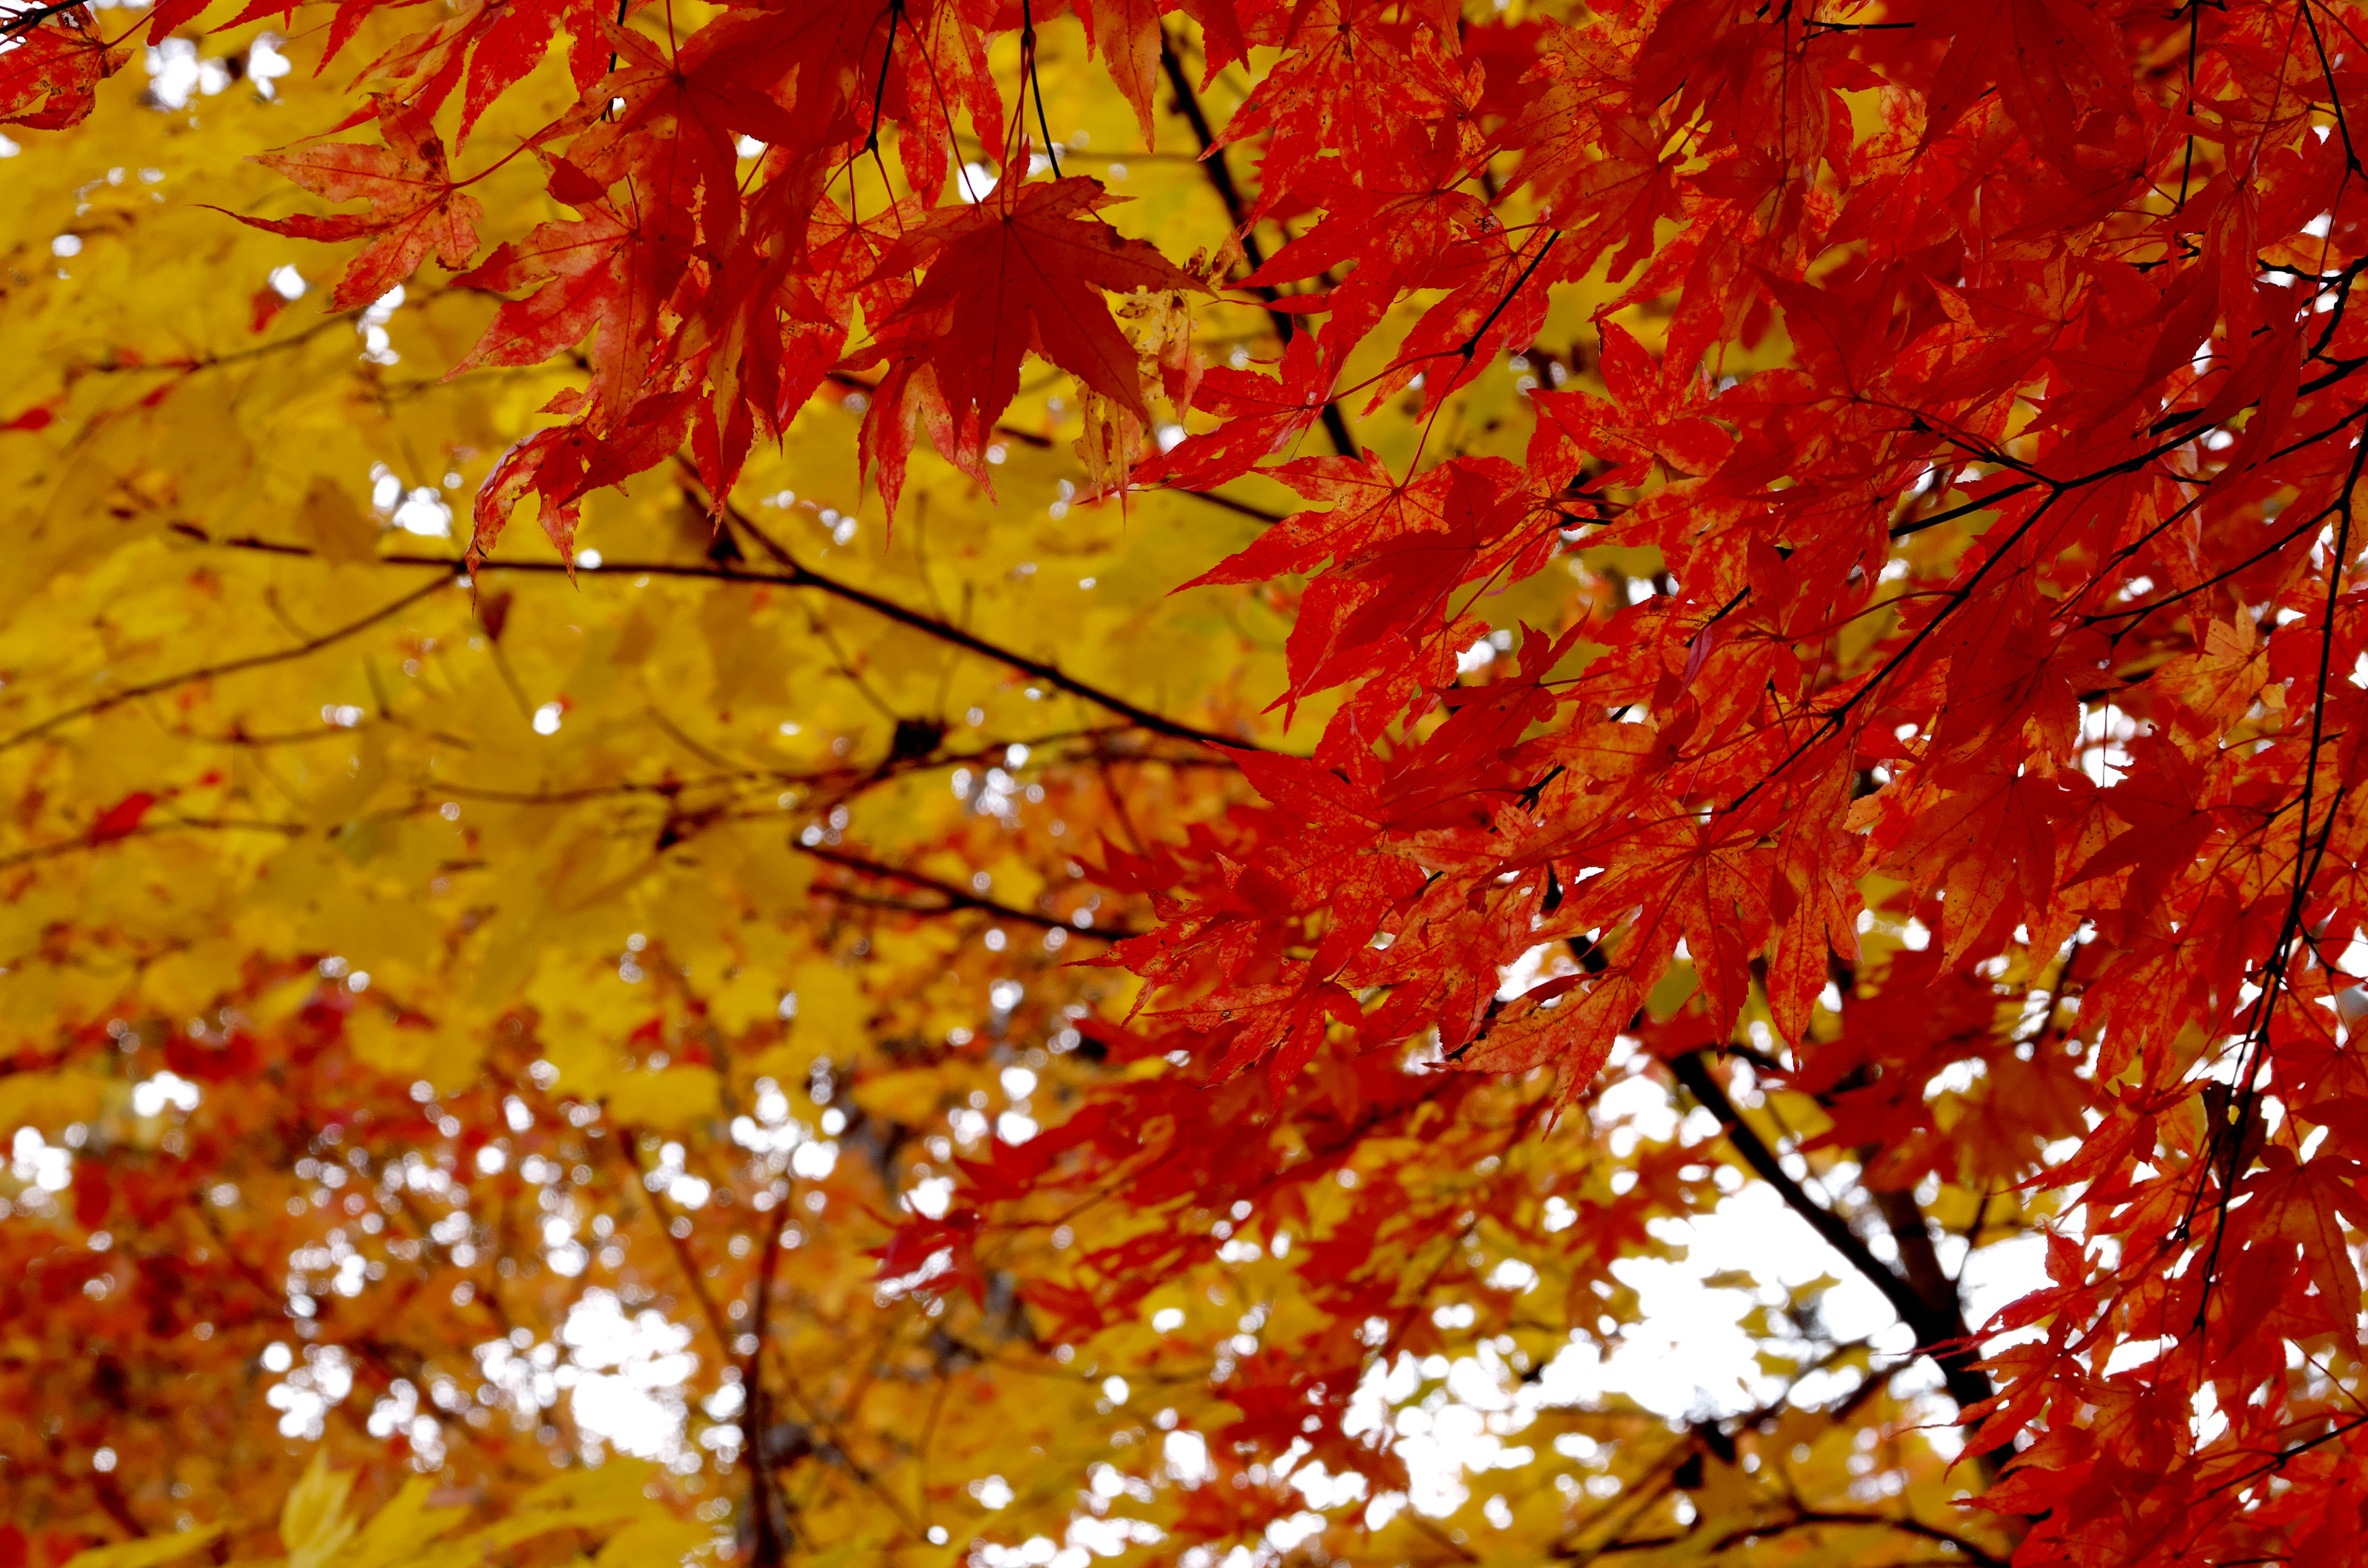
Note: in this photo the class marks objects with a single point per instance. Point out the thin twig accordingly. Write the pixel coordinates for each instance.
(228, 667)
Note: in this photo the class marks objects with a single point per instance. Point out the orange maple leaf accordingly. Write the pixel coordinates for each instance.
(414, 204)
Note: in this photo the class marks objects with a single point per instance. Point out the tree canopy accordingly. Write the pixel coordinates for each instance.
(943, 781)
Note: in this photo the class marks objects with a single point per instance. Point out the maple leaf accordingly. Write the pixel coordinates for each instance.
(1814, 906)
(1352, 89)
(1990, 831)
(1259, 415)
(593, 282)
(490, 46)
(121, 818)
(415, 205)
(1594, 160)
(50, 69)
(1869, 726)
(1398, 549)
(1427, 235)
(1021, 270)
(1127, 33)
(2054, 63)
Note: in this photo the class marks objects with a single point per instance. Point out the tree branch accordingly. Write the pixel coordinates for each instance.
(1906, 1526)
(793, 574)
(150, 830)
(27, 20)
(800, 575)
(1212, 160)
(955, 897)
(712, 1315)
(1940, 1329)
(228, 667)
(765, 1501)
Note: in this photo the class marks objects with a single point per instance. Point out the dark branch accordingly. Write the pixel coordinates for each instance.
(793, 574)
(1221, 176)
(797, 575)
(1939, 1325)
(228, 667)
(955, 897)
(27, 20)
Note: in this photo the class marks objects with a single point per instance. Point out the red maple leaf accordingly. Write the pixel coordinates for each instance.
(121, 819)
(1260, 414)
(50, 71)
(415, 205)
(1022, 270)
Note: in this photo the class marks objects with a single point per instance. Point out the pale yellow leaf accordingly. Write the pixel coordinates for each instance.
(312, 1522)
(830, 1010)
(146, 1552)
(678, 1099)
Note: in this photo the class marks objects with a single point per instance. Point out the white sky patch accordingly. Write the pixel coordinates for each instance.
(2105, 733)
(399, 1411)
(377, 348)
(152, 1096)
(1547, 961)
(1996, 1277)
(1186, 1454)
(1457, 1429)
(931, 1196)
(426, 513)
(974, 181)
(176, 74)
(310, 1390)
(265, 65)
(624, 1376)
(1686, 1358)
(46, 1166)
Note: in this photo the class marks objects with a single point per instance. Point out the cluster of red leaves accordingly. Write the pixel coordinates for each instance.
(2092, 298)
(2078, 272)
(145, 1334)
(2089, 279)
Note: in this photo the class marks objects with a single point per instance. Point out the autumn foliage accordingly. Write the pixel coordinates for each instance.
(1679, 608)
